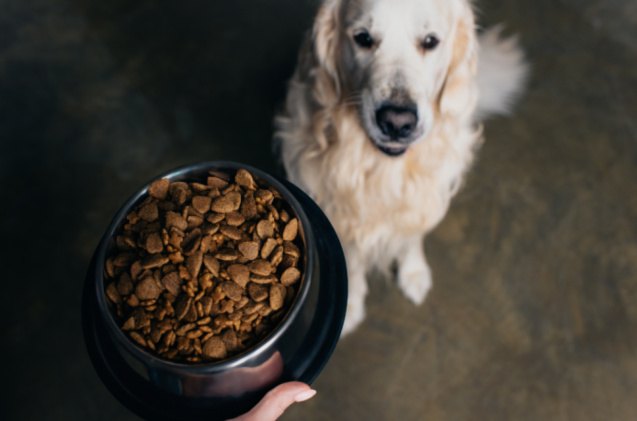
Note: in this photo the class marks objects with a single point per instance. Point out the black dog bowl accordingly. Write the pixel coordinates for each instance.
(297, 349)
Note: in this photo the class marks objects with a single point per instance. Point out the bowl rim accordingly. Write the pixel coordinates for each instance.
(236, 361)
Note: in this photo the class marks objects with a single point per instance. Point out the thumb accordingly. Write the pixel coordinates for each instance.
(276, 401)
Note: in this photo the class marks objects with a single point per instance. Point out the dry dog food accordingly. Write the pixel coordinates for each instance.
(204, 270)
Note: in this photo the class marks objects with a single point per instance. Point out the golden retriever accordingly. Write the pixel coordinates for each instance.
(380, 125)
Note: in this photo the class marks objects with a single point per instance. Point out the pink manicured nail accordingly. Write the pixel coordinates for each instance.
(305, 395)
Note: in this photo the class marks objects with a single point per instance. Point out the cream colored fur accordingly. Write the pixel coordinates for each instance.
(382, 206)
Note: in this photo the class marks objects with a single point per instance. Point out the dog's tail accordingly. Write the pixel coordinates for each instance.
(502, 73)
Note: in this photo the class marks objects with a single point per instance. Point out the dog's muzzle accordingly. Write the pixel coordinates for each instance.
(398, 124)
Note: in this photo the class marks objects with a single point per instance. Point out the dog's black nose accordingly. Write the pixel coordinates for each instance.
(396, 122)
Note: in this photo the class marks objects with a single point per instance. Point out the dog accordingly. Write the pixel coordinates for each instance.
(382, 120)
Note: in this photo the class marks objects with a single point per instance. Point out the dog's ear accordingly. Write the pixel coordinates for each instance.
(458, 95)
(325, 45)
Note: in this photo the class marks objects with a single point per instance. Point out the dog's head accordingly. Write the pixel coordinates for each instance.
(401, 63)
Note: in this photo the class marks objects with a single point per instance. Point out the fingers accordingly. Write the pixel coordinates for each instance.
(277, 400)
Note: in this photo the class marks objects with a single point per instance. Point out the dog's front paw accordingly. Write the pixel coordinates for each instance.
(415, 284)
(354, 316)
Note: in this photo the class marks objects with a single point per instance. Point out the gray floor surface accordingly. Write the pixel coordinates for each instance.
(533, 314)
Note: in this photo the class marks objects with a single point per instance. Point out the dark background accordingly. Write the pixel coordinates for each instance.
(533, 314)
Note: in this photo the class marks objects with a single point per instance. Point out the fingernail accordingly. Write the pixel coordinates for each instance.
(305, 395)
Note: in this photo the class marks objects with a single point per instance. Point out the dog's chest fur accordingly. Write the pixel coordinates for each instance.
(371, 197)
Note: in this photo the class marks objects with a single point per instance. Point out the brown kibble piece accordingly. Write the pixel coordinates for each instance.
(123, 260)
(179, 192)
(171, 282)
(166, 206)
(257, 292)
(194, 334)
(277, 256)
(183, 307)
(233, 233)
(138, 338)
(149, 212)
(182, 344)
(206, 303)
(263, 279)
(185, 329)
(251, 318)
(287, 262)
(234, 219)
(291, 229)
(260, 267)
(216, 182)
(249, 249)
(291, 249)
(264, 196)
(239, 274)
(194, 221)
(154, 244)
(112, 294)
(237, 314)
(154, 261)
(290, 276)
(273, 213)
(109, 267)
(133, 217)
(142, 320)
(155, 335)
(129, 324)
(252, 308)
(193, 263)
(136, 269)
(173, 219)
(191, 242)
(229, 338)
(125, 242)
(170, 338)
(267, 248)
(125, 284)
(265, 228)
(191, 316)
(148, 289)
(205, 282)
(249, 206)
(183, 272)
(159, 188)
(132, 301)
(266, 311)
(215, 218)
(207, 244)
(277, 296)
(215, 348)
(176, 257)
(211, 264)
(244, 178)
(227, 255)
(176, 237)
(227, 203)
(201, 203)
(199, 187)
(232, 290)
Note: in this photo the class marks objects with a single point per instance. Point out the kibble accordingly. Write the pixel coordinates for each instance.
(203, 270)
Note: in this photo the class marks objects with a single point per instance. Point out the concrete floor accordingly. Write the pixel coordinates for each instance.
(533, 314)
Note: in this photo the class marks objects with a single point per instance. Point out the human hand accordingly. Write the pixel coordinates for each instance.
(276, 401)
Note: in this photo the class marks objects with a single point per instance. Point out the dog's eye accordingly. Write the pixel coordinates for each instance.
(430, 42)
(364, 39)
